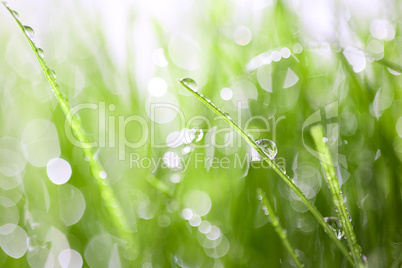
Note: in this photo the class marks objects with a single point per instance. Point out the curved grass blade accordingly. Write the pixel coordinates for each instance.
(326, 161)
(113, 207)
(190, 85)
(278, 227)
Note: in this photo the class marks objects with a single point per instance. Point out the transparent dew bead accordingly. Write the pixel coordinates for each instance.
(15, 14)
(269, 147)
(51, 73)
(40, 52)
(190, 83)
(335, 226)
(29, 32)
(228, 115)
(207, 99)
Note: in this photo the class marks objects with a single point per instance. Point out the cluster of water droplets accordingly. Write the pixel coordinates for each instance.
(266, 145)
(336, 226)
(30, 34)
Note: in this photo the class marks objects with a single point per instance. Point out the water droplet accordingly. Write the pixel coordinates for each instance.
(357, 249)
(269, 147)
(336, 226)
(325, 139)
(190, 83)
(40, 52)
(64, 96)
(29, 32)
(228, 116)
(51, 73)
(283, 169)
(103, 174)
(207, 99)
(364, 258)
(15, 14)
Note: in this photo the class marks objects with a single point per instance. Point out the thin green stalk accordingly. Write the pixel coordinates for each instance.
(268, 210)
(326, 161)
(186, 83)
(113, 207)
(390, 65)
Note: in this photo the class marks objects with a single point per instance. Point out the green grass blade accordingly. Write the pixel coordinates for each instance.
(113, 207)
(186, 83)
(326, 161)
(278, 227)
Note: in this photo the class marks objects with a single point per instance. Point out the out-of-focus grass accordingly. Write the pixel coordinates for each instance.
(94, 65)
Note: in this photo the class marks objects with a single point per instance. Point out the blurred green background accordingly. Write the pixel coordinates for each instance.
(270, 64)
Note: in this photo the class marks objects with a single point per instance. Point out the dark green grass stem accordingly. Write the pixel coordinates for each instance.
(326, 161)
(274, 166)
(114, 209)
(278, 227)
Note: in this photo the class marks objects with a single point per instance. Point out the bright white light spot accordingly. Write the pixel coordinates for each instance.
(226, 93)
(195, 220)
(189, 135)
(276, 55)
(198, 201)
(157, 86)
(291, 79)
(171, 159)
(255, 156)
(204, 227)
(58, 170)
(200, 135)
(393, 72)
(356, 58)
(213, 233)
(69, 258)
(285, 52)
(242, 35)
(103, 174)
(186, 150)
(187, 213)
(174, 139)
(258, 61)
(158, 57)
(382, 29)
(175, 178)
(325, 139)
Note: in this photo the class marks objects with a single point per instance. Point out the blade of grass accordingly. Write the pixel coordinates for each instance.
(113, 207)
(274, 166)
(390, 65)
(326, 161)
(278, 227)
